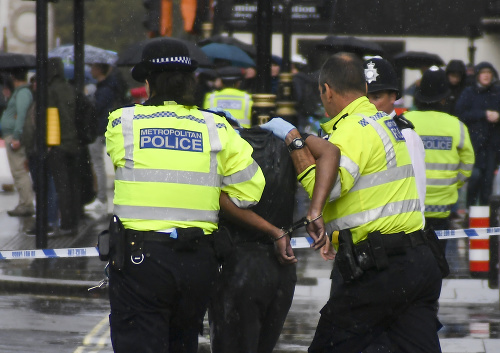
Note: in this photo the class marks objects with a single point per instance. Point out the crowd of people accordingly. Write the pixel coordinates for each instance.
(76, 176)
(202, 199)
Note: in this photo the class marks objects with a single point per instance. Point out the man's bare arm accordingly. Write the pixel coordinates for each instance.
(252, 220)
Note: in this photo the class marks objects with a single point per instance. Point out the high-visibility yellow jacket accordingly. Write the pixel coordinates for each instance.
(449, 158)
(375, 189)
(172, 162)
(237, 102)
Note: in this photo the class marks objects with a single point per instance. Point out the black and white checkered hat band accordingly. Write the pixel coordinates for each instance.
(173, 59)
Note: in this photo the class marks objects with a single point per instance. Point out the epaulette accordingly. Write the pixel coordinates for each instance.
(403, 123)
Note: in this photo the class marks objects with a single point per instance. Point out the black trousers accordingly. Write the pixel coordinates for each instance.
(158, 306)
(254, 293)
(64, 168)
(393, 310)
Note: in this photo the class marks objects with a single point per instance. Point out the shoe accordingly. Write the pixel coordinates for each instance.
(32, 231)
(97, 206)
(21, 211)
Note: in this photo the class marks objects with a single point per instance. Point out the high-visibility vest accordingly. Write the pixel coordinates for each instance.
(237, 102)
(171, 163)
(375, 189)
(449, 158)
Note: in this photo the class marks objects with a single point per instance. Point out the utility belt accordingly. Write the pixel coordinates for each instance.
(374, 252)
(117, 243)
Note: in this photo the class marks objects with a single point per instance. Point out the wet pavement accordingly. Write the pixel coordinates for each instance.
(469, 309)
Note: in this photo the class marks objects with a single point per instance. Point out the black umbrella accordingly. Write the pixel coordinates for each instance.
(132, 54)
(354, 45)
(247, 48)
(417, 59)
(9, 61)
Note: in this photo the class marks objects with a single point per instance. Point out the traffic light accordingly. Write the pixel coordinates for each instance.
(152, 18)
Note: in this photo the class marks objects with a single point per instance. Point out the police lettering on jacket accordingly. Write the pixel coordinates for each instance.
(437, 142)
(172, 139)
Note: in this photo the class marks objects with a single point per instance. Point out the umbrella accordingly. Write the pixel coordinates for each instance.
(93, 55)
(417, 59)
(350, 44)
(234, 55)
(10, 61)
(132, 54)
(247, 48)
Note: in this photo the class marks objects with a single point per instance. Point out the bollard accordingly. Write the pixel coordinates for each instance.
(479, 253)
(263, 108)
(493, 279)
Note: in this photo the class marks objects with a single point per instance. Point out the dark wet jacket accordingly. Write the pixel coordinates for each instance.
(61, 94)
(471, 108)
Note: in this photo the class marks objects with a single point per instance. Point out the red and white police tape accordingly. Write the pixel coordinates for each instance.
(297, 243)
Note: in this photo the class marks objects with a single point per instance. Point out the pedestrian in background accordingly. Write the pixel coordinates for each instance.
(385, 280)
(230, 97)
(449, 156)
(457, 79)
(172, 161)
(12, 124)
(63, 159)
(29, 136)
(104, 98)
(478, 107)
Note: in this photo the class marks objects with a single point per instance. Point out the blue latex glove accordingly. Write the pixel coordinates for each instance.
(279, 127)
(226, 114)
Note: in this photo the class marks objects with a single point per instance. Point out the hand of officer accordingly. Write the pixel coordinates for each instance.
(316, 229)
(279, 127)
(283, 251)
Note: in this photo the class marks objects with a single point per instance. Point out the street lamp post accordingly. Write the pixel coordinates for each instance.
(286, 104)
(263, 106)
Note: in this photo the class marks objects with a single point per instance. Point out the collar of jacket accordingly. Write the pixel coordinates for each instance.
(361, 103)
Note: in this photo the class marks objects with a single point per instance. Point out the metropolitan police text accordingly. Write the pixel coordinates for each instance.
(172, 139)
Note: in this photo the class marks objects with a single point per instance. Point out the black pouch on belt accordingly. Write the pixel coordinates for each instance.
(378, 250)
(437, 249)
(223, 243)
(103, 245)
(116, 243)
(346, 258)
(188, 239)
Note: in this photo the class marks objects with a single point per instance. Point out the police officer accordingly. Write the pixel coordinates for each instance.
(385, 279)
(383, 91)
(171, 161)
(231, 98)
(449, 156)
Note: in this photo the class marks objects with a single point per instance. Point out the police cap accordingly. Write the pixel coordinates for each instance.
(433, 86)
(230, 73)
(163, 54)
(380, 76)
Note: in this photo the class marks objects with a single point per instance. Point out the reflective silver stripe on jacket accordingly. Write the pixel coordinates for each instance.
(128, 135)
(168, 176)
(448, 166)
(241, 176)
(462, 136)
(390, 154)
(441, 182)
(358, 219)
(383, 177)
(436, 208)
(352, 168)
(166, 213)
(129, 173)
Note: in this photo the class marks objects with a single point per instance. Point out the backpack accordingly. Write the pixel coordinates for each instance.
(86, 121)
